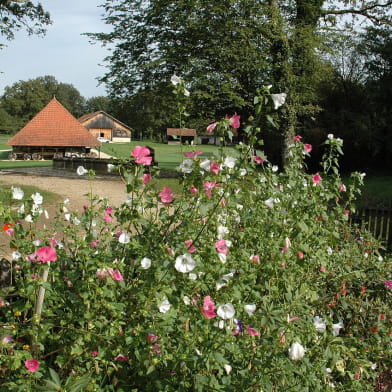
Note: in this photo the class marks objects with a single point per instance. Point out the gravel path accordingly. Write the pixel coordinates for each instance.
(73, 189)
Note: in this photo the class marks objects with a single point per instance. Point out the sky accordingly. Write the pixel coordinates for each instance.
(63, 52)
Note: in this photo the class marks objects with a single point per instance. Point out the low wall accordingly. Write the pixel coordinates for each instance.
(100, 166)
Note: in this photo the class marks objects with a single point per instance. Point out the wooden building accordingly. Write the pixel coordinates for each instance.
(101, 124)
(180, 135)
(54, 131)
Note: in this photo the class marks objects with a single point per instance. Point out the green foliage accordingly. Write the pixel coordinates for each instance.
(16, 15)
(24, 99)
(251, 280)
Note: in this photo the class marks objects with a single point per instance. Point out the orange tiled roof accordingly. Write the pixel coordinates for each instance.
(54, 125)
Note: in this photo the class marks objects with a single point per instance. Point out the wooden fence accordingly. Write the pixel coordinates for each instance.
(377, 219)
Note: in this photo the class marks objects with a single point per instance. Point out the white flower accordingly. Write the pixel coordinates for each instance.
(336, 328)
(175, 80)
(319, 324)
(186, 166)
(187, 300)
(296, 351)
(67, 217)
(124, 238)
(198, 352)
(145, 263)
(192, 276)
(186, 92)
(275, 168)
(37, 242)
(81, 171)
(205, 165)
(329, 251)
(37, 198)
(110, 167)
(29, 219)
(46, 213)
(250, 309)
(278, 100)
(185, 263)
(227, 368)
(76, 221)
(164, 306)
(330, 136)
(222, 231)
(222, 258)
(17, 193)
(242, 172)
(229, 162)
(269, 202)
(226, 311)
(16, 255)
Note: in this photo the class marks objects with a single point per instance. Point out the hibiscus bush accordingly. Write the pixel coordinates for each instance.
(251, 279)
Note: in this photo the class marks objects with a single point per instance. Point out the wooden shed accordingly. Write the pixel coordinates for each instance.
(180, 135)
(102, 124)
(54, 131)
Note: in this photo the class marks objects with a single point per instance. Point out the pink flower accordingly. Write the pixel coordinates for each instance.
(170, 251)
(251, 331)
(108, 210)
(193, 190)
(7, 339)
(166, 195)
(46, 254)
(346, 212)
(94, 353)
(214, 167)
(255, 259)
(258, 159)
(221, 247)
(115, 274)
(316, 179)
(141, 155)
(189, 245)
(146, 178)
(388, 284)
(342, 188)
(121, 358)
(212, 127)
(322, 269)
(192, 154)
(297, 138)
(209, 186)
(107, 218)
(307, 148)
(300, 255)
(235, 121)
(94, 244)
(151, 338)
(32, 365)
(208, 307)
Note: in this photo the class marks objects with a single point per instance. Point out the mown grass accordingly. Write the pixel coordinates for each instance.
(6, 193)
(168, 156)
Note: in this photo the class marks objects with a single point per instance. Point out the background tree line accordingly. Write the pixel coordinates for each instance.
(338, 77)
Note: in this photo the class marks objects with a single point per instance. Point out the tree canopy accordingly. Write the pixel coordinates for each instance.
(21, 14)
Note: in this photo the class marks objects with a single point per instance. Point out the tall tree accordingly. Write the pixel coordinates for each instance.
(22, 14)
(24, 99)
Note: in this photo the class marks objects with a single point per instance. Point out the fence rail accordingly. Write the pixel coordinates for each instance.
(377, 220)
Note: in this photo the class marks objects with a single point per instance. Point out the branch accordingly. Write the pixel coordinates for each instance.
(365, 12)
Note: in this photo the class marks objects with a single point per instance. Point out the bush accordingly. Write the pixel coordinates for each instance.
(251, 280)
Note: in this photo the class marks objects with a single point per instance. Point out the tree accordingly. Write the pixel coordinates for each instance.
(95, 104)
(217, 47)
(22, 14)
(24, 99)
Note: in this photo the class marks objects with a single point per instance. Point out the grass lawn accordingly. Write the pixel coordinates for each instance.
(168, 156)
(6, 195)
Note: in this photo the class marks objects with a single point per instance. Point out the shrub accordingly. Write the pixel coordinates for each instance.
(251, 280)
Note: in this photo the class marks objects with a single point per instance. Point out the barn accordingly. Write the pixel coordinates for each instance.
(103, 125)
(54, 131)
